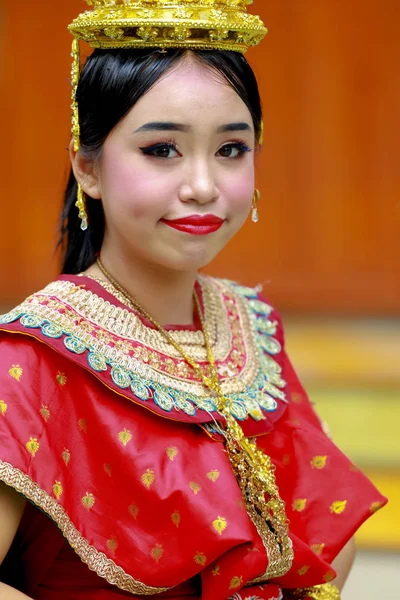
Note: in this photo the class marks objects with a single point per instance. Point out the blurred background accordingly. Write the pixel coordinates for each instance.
(327, 248)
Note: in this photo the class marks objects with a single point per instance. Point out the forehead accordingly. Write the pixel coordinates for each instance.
(191, 92)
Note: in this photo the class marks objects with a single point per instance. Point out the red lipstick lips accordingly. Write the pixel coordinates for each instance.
(196, 224)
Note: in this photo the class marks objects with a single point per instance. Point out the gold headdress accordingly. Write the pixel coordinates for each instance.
(190, 24)
(200, 24)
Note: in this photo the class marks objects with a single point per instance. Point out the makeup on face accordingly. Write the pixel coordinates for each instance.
(165, 149)
(196, 224)
(177, 174)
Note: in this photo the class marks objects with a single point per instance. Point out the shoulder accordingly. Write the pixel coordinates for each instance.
(264, 315)
(29, 305)
(26, 363)
(28, 369)
(253, 295)
(40, 317)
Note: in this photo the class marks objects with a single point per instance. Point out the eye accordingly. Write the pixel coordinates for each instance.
(164, 150)
(233, 150)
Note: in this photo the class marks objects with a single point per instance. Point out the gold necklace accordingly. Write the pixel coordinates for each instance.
(253, 468)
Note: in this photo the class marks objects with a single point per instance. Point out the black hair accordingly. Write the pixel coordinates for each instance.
(112, 81)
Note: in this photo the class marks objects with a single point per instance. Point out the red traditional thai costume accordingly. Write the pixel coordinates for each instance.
(106, 430)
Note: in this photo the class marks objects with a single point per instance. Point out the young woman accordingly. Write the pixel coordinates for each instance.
(149, 411)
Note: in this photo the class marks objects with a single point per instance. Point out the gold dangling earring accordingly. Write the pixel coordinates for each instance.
(254, 211)
(81, 206)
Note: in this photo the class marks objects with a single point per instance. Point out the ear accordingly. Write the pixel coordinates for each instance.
(86, 172)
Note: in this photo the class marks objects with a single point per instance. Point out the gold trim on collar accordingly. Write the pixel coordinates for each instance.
(117, 343)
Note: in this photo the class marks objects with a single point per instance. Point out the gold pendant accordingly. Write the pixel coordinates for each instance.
(254, 473)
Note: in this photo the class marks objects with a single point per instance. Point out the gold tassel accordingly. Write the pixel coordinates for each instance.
(261, 138)
(76, 132)
(75, 73)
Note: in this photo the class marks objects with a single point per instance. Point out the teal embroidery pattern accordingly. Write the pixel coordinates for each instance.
(260, 395)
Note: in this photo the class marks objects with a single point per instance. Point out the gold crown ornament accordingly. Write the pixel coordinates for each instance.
(161, 24)
(197, 24)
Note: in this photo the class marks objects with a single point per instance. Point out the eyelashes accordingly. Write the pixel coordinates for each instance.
(240, 147)
(161, 150)
(168, 150)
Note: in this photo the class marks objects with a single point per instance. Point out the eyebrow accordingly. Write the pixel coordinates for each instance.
(170, 126)
(163, 126)
(234, 127)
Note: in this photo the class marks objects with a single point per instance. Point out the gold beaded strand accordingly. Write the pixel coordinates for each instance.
(253, 468)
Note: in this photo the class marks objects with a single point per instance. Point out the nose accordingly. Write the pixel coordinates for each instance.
(199, 184)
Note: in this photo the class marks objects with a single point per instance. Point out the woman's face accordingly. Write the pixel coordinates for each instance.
(176, 176)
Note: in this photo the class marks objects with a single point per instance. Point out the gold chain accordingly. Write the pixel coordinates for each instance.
(253, 468)
(211, 383)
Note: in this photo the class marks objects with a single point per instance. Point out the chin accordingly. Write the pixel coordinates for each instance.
(189, 261)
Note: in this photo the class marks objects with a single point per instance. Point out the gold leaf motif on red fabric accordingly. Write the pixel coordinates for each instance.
(148, 478)
(58, 489)
(133, 511)
(112, 545)
(88, 501)
(172, 453)
(299, 504)
(303, 570)
(329, 576)
(213, 475)
(33, 446)
(82, 424)
(3, 408)
(61, 378)
(107, 469)
(338, 507)
(296, 398)
(66, 456)
(375, 506)
(286, 460)
(45, 413)
(236, 582)
(16, 372)
(318, 548)
(125, 437)
(319, 462)
(176, 518)
(195, 487)
(216, 571)
(200, 559)
(220, 524)
(157, 553)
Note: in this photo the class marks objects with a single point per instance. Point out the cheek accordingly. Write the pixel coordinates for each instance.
(239, 191)
(129, 189)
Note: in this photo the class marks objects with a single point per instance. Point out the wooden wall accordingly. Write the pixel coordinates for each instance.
(328, 239)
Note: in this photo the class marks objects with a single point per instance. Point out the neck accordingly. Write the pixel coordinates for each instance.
(166, 295)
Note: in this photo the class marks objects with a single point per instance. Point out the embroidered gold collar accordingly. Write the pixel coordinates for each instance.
(93, 321)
